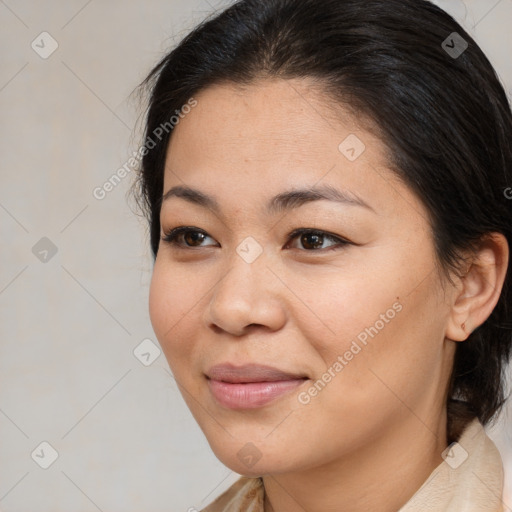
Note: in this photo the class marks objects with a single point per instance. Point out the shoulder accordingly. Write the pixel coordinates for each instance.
(245, 495)
(470, 478)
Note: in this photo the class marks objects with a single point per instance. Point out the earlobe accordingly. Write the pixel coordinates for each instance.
(480, 288)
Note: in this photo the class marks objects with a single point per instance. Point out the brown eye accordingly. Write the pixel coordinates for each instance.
(312, 240)
(185, 237)
(193, 238)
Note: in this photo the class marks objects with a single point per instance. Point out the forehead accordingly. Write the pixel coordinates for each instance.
(273, 112)
(262, 138)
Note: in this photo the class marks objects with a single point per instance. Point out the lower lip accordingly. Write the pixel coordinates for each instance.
(250, 395)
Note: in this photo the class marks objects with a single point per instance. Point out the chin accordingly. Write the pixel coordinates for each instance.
(259, 468)
(252, 459)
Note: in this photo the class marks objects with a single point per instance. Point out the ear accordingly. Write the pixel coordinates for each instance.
(479, 290)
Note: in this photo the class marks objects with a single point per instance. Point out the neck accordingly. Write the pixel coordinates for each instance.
(382, 476)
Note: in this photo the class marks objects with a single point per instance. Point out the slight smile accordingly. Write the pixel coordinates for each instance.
(250, 386)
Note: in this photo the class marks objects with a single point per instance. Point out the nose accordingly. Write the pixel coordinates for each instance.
(248, 295)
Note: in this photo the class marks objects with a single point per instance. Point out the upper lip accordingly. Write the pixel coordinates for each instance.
(228, 372)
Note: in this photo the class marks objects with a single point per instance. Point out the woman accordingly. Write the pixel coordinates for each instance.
(326, 194)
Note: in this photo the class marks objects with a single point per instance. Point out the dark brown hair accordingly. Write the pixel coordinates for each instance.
(439, 107)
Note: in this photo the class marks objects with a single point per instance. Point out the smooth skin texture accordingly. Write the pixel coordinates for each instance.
(374, 433)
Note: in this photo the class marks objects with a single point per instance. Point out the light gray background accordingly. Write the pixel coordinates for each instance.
(125, 440)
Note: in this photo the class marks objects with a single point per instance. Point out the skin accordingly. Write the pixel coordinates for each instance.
(374, 433)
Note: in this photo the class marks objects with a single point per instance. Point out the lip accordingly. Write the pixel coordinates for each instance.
(251, 385)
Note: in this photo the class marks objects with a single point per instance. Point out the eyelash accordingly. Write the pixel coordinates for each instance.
(171, 236)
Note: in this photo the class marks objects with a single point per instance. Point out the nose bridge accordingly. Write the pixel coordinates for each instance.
(247, 269)
(245, 294)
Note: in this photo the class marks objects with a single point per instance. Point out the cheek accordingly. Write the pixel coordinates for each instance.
(343, 308)
(387, 320)
(173, 305)
(390, 345)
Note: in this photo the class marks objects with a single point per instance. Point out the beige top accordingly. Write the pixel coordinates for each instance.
(470, 479)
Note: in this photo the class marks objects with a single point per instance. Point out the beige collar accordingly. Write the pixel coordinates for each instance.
(470, 479)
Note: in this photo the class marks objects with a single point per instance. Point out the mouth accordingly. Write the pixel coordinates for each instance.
(250, 386)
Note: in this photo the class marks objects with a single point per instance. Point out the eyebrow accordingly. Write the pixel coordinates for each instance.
(282, 202)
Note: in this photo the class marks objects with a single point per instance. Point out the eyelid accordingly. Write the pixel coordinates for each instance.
(171, 235)
(326, 234)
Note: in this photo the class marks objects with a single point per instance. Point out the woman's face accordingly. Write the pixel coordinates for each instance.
(351, 315)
